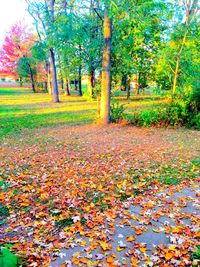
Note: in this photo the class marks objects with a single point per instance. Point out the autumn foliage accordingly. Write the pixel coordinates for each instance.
(16, 45)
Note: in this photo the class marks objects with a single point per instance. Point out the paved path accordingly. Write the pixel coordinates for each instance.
(154, 232)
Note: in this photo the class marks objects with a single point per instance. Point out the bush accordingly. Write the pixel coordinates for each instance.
(117, 111)
(177, 112)
(195, 121)
(149, 117)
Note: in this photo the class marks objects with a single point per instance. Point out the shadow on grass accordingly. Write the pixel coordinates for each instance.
(15, 124)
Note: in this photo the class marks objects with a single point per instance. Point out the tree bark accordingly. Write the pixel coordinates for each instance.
(91, 82)
(46, 86)
(177, 64)
(80, 93)
(106, 66)
(20, 82)
(62, 84)
(128, 88)
(67, 86)
(54, 77)
(32, 78)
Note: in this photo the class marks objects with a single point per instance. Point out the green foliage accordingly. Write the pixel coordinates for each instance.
(182, 111)
(148, 117)
(117, 111)
(7, 258)
(4, 211)
(64, 223)
(196, 253)
(195, 121)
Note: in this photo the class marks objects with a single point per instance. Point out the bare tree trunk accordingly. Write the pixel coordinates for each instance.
(54, 77)
(191, 8)
(91, 82)
(46, 86)
(32, 78)
(66, 82)
(79, 81)
(20, 82)
(52, 58)
(176, 71)
(106, 66)
(128, 88)
(62, 83)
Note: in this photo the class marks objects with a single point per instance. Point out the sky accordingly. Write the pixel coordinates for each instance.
(10, 12)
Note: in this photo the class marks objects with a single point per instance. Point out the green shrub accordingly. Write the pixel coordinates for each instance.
(177, 112)
(148, 117)
(195, 121)
(4, 211)
(7, 258)
(117, 111)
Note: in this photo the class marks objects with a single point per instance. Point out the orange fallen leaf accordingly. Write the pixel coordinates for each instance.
(130, 238)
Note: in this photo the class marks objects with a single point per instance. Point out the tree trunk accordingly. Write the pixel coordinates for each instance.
(177, 64)
(106, 66)
(49, 78)
(62, 84)
(75, 85)
(79, 81)
(137, 89)
(66, 82)
(54, 77)
(32, 78)
(91, 82)
(20, 82)
(45, 86)
(124, 83)
(128, 88)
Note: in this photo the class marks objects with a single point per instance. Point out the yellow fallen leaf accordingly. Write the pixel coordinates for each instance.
(130, 238)
(156, 230)
(142, 249)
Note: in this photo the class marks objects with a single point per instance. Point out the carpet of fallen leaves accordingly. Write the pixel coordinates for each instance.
(77, 181)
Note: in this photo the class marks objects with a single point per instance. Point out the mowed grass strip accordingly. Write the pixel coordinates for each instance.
(20, 109)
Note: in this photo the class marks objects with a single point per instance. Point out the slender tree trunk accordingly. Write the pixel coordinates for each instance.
(32, 78)
(106, 66)
(75, 85)
(20, 82)
(91, 82)
(66, 82)
(62, 84)
(79, 81)
(137, 87)
(128, 88)
(54, 77)
(124, 83)
(69, 84)
(45, 86)
(176, 71)
(49, 78)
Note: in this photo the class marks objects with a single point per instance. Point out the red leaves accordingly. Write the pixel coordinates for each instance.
(16, 45)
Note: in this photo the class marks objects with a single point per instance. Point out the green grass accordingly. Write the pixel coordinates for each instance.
(20, 109)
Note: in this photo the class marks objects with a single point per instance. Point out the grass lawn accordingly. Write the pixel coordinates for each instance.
(21, 109)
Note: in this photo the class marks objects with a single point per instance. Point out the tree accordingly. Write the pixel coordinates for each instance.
(43, 13)
(16, 52)
(106, 65)
(191, 9)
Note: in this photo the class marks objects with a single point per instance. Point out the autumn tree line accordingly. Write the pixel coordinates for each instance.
(156, 41)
